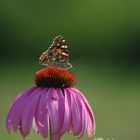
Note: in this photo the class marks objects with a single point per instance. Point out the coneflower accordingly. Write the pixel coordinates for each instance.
(52, 105)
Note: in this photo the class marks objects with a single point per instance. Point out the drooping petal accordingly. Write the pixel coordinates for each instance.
(67, 113)
(52, 105)
(83, 111)
(34, 125)
(41, 114)
(76, 115)
(91, 125)
(84, 115)
(55, 137)
(56, 110)
(28, 111)
(61, 108)
(91, 128)
(13, 117)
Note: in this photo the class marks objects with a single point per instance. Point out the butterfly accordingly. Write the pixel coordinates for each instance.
(57, 54)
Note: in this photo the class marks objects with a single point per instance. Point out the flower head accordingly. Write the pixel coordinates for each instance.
(56, 78)
(54, 105)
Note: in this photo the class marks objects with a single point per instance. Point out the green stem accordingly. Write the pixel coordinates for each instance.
(50, 132)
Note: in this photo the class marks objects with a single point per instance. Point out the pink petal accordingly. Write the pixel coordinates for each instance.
(84, 114)
(55, 107)
(67, 113)
(76, 115)
(29, 111)
(55, 137)
(13, 117)
(91, 125)
(41, 115)
(61, 99)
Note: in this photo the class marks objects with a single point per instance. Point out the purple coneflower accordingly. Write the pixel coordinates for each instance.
(53, 105)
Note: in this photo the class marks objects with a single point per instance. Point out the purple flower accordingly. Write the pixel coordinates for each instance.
(53, 105)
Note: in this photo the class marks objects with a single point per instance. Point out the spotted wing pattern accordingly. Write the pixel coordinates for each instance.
(57, 54)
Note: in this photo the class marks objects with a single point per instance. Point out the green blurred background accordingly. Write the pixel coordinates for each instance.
(104, 46)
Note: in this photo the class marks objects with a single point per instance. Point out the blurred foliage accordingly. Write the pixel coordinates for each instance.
(95, 29)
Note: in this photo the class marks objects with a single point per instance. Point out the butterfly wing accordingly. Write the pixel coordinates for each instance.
(57, 55)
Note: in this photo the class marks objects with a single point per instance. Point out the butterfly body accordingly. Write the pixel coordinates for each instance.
(57, 55)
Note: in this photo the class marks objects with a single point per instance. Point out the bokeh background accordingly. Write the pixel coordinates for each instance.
(104, 46)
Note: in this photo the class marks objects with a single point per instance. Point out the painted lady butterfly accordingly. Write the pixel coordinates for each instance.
(57, 55)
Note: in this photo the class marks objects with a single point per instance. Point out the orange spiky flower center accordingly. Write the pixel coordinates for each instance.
(53, 77)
